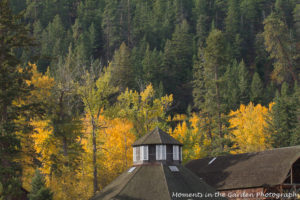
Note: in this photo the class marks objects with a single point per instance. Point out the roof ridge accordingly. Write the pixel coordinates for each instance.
(159, 134)
(256, 152)
(126, 183)
(147, 135)
(165, 179)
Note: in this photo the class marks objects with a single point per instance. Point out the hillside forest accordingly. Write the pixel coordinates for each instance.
(81, 80)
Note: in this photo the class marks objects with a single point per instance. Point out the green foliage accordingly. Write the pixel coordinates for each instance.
(214, 104)
(257, 89)
(217, 54)
(13, 88)
(39, 190)
(279, 45)
(177, 64)
(237, 85)
(284, 118)
(121, 68)
(199, 89)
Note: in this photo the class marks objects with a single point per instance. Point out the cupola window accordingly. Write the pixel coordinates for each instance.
(175, 152)
(134, 154)
(161, 152)
(144, 152)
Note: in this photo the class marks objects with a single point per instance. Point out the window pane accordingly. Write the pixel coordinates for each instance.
(157, 152)
(146, 152)
(141, 153)
(134, 154)
(175, 152)
(164, 152)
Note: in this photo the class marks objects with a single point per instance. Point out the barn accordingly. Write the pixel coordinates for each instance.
(270, 174)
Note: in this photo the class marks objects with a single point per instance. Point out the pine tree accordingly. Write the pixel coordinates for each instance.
(279, 45)
(232, 20)
(112, 28)
(13, 87)
(121, 68)
(151, 67)
(256, 90)
(284, 118)
(232, 94)
(177, 64)
(39, 190)
(199, 88)
(201, 13)
(243, 78)
(214, 67)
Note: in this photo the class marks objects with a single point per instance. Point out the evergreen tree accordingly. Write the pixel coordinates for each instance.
(13, 87)
(279, 45)
(151, 67)
(177, 64)
(111, 27)
(202, 14)
(39, 190)
(243, 83)
(284, 118)
(199, 88)
(162, 23)
(257, 89)
(232, 92)
(121, 68)
(214, 67)
(232, 20)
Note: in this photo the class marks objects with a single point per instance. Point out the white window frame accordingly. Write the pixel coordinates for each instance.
(175, 152)
(161, 152)
(134, 154)
(144, 152)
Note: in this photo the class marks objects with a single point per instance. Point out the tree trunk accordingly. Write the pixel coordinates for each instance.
(95, 181)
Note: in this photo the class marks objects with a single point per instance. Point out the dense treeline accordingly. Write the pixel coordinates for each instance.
(221, 76)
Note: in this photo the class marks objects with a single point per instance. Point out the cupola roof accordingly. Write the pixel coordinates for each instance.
(156, 136)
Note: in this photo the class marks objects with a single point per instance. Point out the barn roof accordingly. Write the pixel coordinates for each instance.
(150, 182)
(249, 170)
(156, 136)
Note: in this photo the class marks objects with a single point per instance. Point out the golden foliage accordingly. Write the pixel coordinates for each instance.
(114, 148)
(189, 132)
(31, 142)
(143, 109)
(248, 126)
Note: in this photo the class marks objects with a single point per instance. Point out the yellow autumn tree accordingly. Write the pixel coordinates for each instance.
(190, 132)
(116, 149)
(248, 128)
(143, 109)
(114, 153)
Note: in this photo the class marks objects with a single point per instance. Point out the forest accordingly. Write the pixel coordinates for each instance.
(81, 80)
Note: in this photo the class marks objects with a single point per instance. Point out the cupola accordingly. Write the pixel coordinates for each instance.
(156, 173)
(157, 147)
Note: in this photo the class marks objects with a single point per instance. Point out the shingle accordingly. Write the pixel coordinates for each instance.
(246, 170)
(154, 181)
(156, 136)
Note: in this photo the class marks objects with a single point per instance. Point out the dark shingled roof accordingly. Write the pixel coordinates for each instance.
(156, 136)
(249, 170)
(155, 181)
